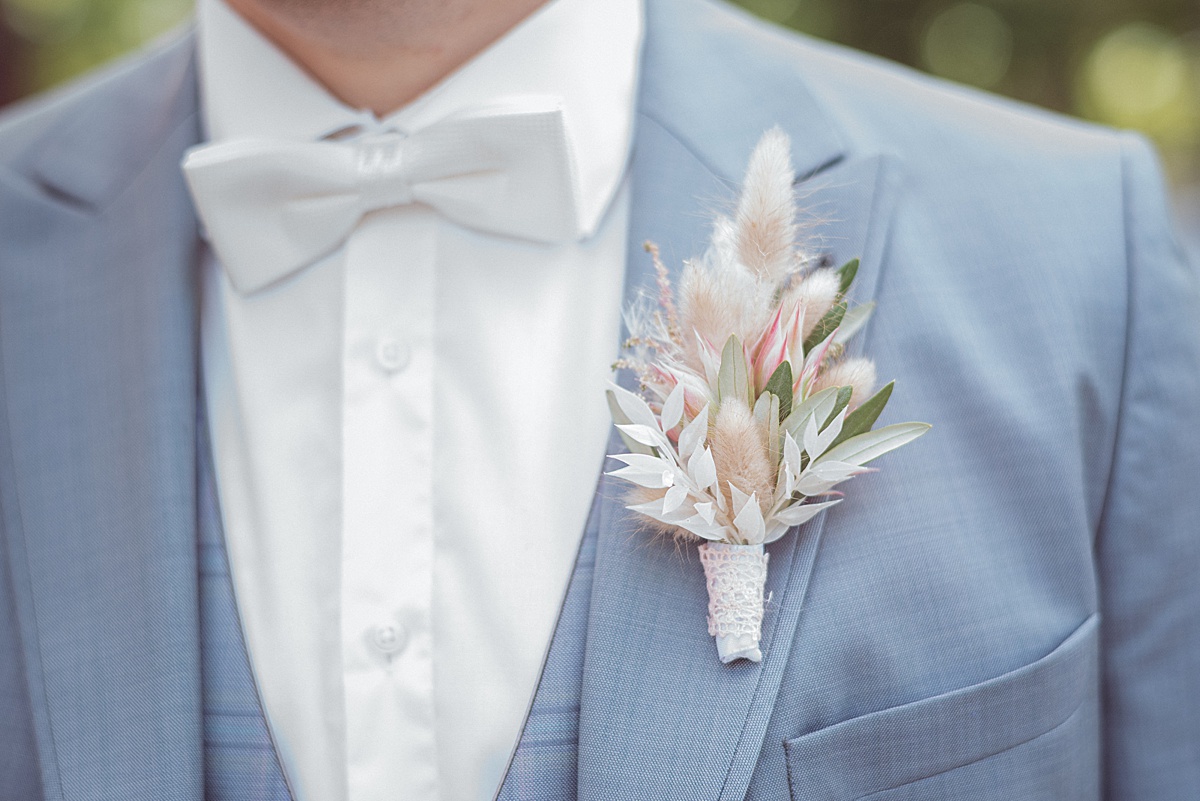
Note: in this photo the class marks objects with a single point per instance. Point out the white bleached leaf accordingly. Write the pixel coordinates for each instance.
(706, 511)
(775, 530)
(873, 444)
(823, 476)
(619, 418)
(698, 526)
(693, 523)
(634, 407)
(816, 444)
(653, 510)
(830, 470)
(739, 498)
(811, 438)
(719, 496)
(672, 410)
(650, 479)
(829, 434)
(642, 462)
(646, 435)
(817, 405)
(749, 522)
(693, 435)
(675, 497)
(791, 452)
(785, 483)
(702, 469)
(811, 484)
(710, 360)
(803, 512)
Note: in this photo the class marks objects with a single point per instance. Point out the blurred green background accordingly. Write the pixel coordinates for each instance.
(1128, 63)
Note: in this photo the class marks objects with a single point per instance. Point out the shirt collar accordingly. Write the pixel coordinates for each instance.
(582, 51)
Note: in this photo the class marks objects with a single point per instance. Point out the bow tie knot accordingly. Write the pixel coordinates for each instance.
(272, 207)
(381, 164)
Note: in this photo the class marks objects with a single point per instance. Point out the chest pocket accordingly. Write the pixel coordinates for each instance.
(1029, 734)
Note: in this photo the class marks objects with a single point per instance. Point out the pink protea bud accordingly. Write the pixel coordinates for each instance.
(693, 402)
(770, 350)
(794, 334)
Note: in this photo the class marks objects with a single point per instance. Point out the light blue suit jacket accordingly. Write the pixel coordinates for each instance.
(1009, 610)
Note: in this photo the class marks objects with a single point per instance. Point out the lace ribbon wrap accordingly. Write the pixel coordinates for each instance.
(736, 576)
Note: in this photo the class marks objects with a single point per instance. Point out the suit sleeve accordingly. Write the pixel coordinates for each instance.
(1148, 545)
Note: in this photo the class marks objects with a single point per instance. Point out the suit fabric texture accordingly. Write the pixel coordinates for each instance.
(1008, 610)
(240, 759)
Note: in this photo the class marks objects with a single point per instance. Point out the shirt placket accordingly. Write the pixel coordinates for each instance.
(387, 533)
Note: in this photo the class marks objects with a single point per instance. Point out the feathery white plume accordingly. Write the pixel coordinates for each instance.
(857, 373)
(766, 213)
(816, 292)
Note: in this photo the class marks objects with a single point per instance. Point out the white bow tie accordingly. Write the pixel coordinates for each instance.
(272, 207)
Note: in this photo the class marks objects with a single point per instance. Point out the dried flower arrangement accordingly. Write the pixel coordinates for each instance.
(749, 412)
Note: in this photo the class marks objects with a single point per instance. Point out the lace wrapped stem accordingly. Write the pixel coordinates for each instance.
(736, 576)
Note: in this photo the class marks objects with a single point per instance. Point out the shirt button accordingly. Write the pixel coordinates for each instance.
(392, 354)
(388, 639)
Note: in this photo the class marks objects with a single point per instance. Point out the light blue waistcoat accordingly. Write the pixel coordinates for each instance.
(240, 760)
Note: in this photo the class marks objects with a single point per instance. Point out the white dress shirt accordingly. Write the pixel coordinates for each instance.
(408, 432)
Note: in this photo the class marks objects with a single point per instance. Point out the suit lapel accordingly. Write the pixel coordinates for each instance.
(97, 341)
(660, 716)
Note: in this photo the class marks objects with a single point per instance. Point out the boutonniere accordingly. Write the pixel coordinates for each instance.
(750, 411)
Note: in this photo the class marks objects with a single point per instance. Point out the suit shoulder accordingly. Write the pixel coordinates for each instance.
(878, 95)
(883, 103)
(93, 109)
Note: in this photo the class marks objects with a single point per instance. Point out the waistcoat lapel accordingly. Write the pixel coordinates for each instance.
(660, 716)
(240, 759)
(544, 765)
(97, 344)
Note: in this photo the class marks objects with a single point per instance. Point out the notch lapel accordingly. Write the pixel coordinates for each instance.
(660, 716)
(97, 340)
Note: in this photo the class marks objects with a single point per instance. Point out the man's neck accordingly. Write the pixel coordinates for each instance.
(382, 54)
